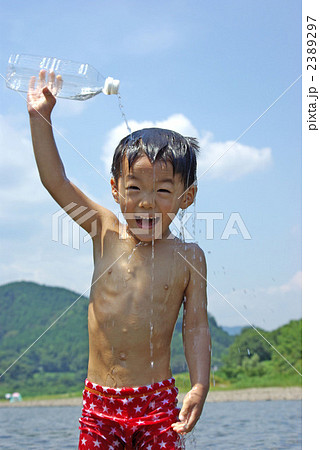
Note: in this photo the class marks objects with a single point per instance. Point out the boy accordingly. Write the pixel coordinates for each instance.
(140, 281)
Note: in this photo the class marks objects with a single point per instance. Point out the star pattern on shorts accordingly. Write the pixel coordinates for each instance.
(115, 414)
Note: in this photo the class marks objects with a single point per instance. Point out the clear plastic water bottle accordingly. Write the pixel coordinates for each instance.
(80, 81)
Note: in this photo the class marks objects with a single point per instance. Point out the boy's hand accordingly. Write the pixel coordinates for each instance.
(191, 410)
(40, 97)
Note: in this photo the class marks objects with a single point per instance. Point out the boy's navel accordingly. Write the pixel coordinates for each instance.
(122, 356)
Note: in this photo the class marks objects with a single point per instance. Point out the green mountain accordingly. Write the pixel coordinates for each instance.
(262, 358)
(48, 327)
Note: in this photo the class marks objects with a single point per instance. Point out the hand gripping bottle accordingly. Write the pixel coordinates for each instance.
(80, 81)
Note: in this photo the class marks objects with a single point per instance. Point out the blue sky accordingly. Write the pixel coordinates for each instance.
(207, 69)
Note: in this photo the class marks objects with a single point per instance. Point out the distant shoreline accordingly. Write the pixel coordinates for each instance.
(241, 395)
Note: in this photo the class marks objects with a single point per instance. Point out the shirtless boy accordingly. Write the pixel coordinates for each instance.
(140, 281)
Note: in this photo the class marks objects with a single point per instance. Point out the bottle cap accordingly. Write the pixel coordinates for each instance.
(111, 86)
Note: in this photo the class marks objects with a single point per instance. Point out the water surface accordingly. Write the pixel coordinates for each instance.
(223, 426)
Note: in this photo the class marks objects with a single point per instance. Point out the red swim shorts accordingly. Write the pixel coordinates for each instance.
(130, 418)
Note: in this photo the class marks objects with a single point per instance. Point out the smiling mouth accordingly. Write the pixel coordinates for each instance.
(147, 223)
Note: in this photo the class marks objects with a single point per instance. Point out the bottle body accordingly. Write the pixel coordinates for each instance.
(81, 81)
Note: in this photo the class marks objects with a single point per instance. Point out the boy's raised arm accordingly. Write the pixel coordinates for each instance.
(197, 342)
(41, 102)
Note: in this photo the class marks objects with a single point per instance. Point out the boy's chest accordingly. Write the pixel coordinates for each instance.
(140, 274)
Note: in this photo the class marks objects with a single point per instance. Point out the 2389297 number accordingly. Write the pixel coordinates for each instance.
(311, 43)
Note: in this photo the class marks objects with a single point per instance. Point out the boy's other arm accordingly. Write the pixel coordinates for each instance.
(197, 342)
(51, 170)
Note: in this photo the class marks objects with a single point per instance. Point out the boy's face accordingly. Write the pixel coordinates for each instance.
(150, 196)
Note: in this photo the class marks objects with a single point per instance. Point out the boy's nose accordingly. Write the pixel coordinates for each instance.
(147, 201)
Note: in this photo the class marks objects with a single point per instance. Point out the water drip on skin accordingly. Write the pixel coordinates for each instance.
(139, 244)
(152, 283)
(181, 215)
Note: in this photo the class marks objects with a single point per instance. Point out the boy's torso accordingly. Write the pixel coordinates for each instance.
(134, 303)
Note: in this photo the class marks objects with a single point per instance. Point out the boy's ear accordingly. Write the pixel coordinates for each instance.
(189, 196)
(114, 190)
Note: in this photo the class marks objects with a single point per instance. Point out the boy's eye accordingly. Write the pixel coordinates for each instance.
(164, 190)
(133, 187)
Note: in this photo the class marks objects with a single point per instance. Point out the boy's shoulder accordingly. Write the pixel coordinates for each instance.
(191, 251)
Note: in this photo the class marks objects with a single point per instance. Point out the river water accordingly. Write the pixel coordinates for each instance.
(223, 426)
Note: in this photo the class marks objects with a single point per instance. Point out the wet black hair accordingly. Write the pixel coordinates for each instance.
(159, 145)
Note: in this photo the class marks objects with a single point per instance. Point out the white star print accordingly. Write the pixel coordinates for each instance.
(113, 431)
(105, 389)
(147, 433)
(119, 411)
(149, 387)
(136, 389)
(105, 409)
(165, 401)
(130, 399)
(149, 447)
(94, 385)
(92, 406)
(99, 423)
(118, 390)
(116, 443)
(161, 383)
(111, 400)
(162, 444)
(125, 401)
(83, 442)
(169, 432)
(144, 398)
(88, 394)
(138, 408)
(97, 443)
(140, 422)
(162, 428)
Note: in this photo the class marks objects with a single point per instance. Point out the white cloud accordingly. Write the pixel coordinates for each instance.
(294, 284)
(223, 159)
(229, 160)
